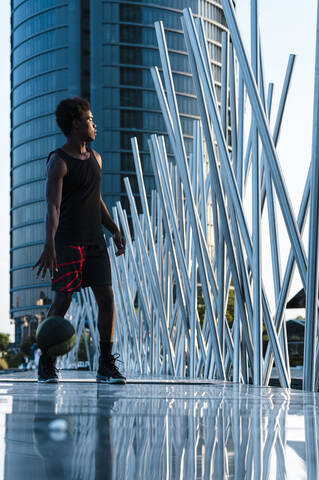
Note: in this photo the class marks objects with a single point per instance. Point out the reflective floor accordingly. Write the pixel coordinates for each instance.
(78, 430)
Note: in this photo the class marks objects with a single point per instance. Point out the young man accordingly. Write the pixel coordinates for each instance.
(75, 252)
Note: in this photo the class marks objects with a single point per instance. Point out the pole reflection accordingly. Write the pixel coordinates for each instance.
(168, 433)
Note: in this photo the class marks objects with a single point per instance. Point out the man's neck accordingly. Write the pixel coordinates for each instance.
(75, 147)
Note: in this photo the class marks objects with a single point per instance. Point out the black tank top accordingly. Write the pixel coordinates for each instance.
(80, 211)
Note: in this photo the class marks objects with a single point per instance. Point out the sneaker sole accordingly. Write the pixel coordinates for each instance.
(117, 381)
(48, 380)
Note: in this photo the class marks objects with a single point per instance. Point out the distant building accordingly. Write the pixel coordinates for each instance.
(100, 50)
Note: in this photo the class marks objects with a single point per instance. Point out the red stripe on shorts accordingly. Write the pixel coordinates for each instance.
(76, 271)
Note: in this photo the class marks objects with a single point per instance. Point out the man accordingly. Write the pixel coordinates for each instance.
(75, 252)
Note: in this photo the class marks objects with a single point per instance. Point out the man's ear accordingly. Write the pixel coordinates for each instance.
(75, 123)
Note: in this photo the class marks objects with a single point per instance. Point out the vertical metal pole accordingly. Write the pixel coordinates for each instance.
(256, 212)
(312, 272)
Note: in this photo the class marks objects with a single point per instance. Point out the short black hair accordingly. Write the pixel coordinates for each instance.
(68, 110)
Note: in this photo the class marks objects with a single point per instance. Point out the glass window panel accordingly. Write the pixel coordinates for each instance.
(131, 119)
(110, 183)
(131, 76)
(37, 106)
(16, 3)
(111, 118)
(187, 105)
(131, 55)
(127, 162)
(111, 75)
(24, 277)
(169, 18)
(29, 171)
(111, 162)
(111, 140)
(36, 45)
(154, 121)
(110, 32)
(30, 7)
(38, 148)
(43, 21)
(126, 140)
(111, 97)
(38, 86)
(150, 100)
(28, 234)
(25, 255)
(133, 183)
(131, 97)
(32, 296)
(28, 213)
(31, 129)
(29, 192)
(130, 13)
(130, 34)
(40, 64)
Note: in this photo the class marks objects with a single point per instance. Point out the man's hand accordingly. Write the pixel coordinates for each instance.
(120, 243)
(47, 261)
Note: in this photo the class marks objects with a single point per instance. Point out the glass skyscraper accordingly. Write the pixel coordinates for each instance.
(102, 51)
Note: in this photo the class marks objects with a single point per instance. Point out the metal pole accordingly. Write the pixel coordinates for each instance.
(312, 272)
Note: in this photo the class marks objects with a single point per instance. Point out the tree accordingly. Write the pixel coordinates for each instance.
(230, 306)
(4, 341)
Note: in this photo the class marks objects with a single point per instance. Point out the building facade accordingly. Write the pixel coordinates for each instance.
(103, 51)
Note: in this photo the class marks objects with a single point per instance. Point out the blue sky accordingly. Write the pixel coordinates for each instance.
(287, 26)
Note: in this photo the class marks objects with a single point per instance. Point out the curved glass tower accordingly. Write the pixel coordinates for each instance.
(45, 68)
(101, 50)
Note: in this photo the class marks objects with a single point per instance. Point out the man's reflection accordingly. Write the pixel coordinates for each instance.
(75, 445)
(60, 440)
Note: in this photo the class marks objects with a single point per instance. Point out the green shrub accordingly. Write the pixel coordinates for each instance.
(14, 359)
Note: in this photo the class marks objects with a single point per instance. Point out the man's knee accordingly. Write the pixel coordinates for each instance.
(104, 295)
(61, 303)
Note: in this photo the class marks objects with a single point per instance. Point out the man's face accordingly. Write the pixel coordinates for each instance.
(86, 127)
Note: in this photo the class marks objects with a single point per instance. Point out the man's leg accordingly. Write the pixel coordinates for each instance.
(107, 371)
(47, 372)
(106, 318)
(61, 303)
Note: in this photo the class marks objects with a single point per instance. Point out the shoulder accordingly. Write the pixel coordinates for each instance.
(98, 157)
(56, 165)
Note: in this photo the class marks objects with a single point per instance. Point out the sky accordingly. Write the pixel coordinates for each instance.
(5, 165)
(287, 26)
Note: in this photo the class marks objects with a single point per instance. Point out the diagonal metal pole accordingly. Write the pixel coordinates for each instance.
(176, 137)
(157, 157)
(216, 182)
(228, 175)
(267, 141)
(155, 287)
(279, 318)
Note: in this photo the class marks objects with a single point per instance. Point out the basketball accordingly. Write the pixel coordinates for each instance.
(55, 336)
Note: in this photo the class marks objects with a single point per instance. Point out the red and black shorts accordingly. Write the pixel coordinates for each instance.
(81, 266)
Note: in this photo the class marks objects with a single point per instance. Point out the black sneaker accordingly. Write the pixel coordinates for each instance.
(108, 371)
(47, 373)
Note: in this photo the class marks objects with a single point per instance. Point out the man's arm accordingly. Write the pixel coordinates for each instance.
(57, 169)
(107, 220)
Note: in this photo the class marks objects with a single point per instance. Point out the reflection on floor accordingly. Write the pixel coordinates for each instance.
(78, 430)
